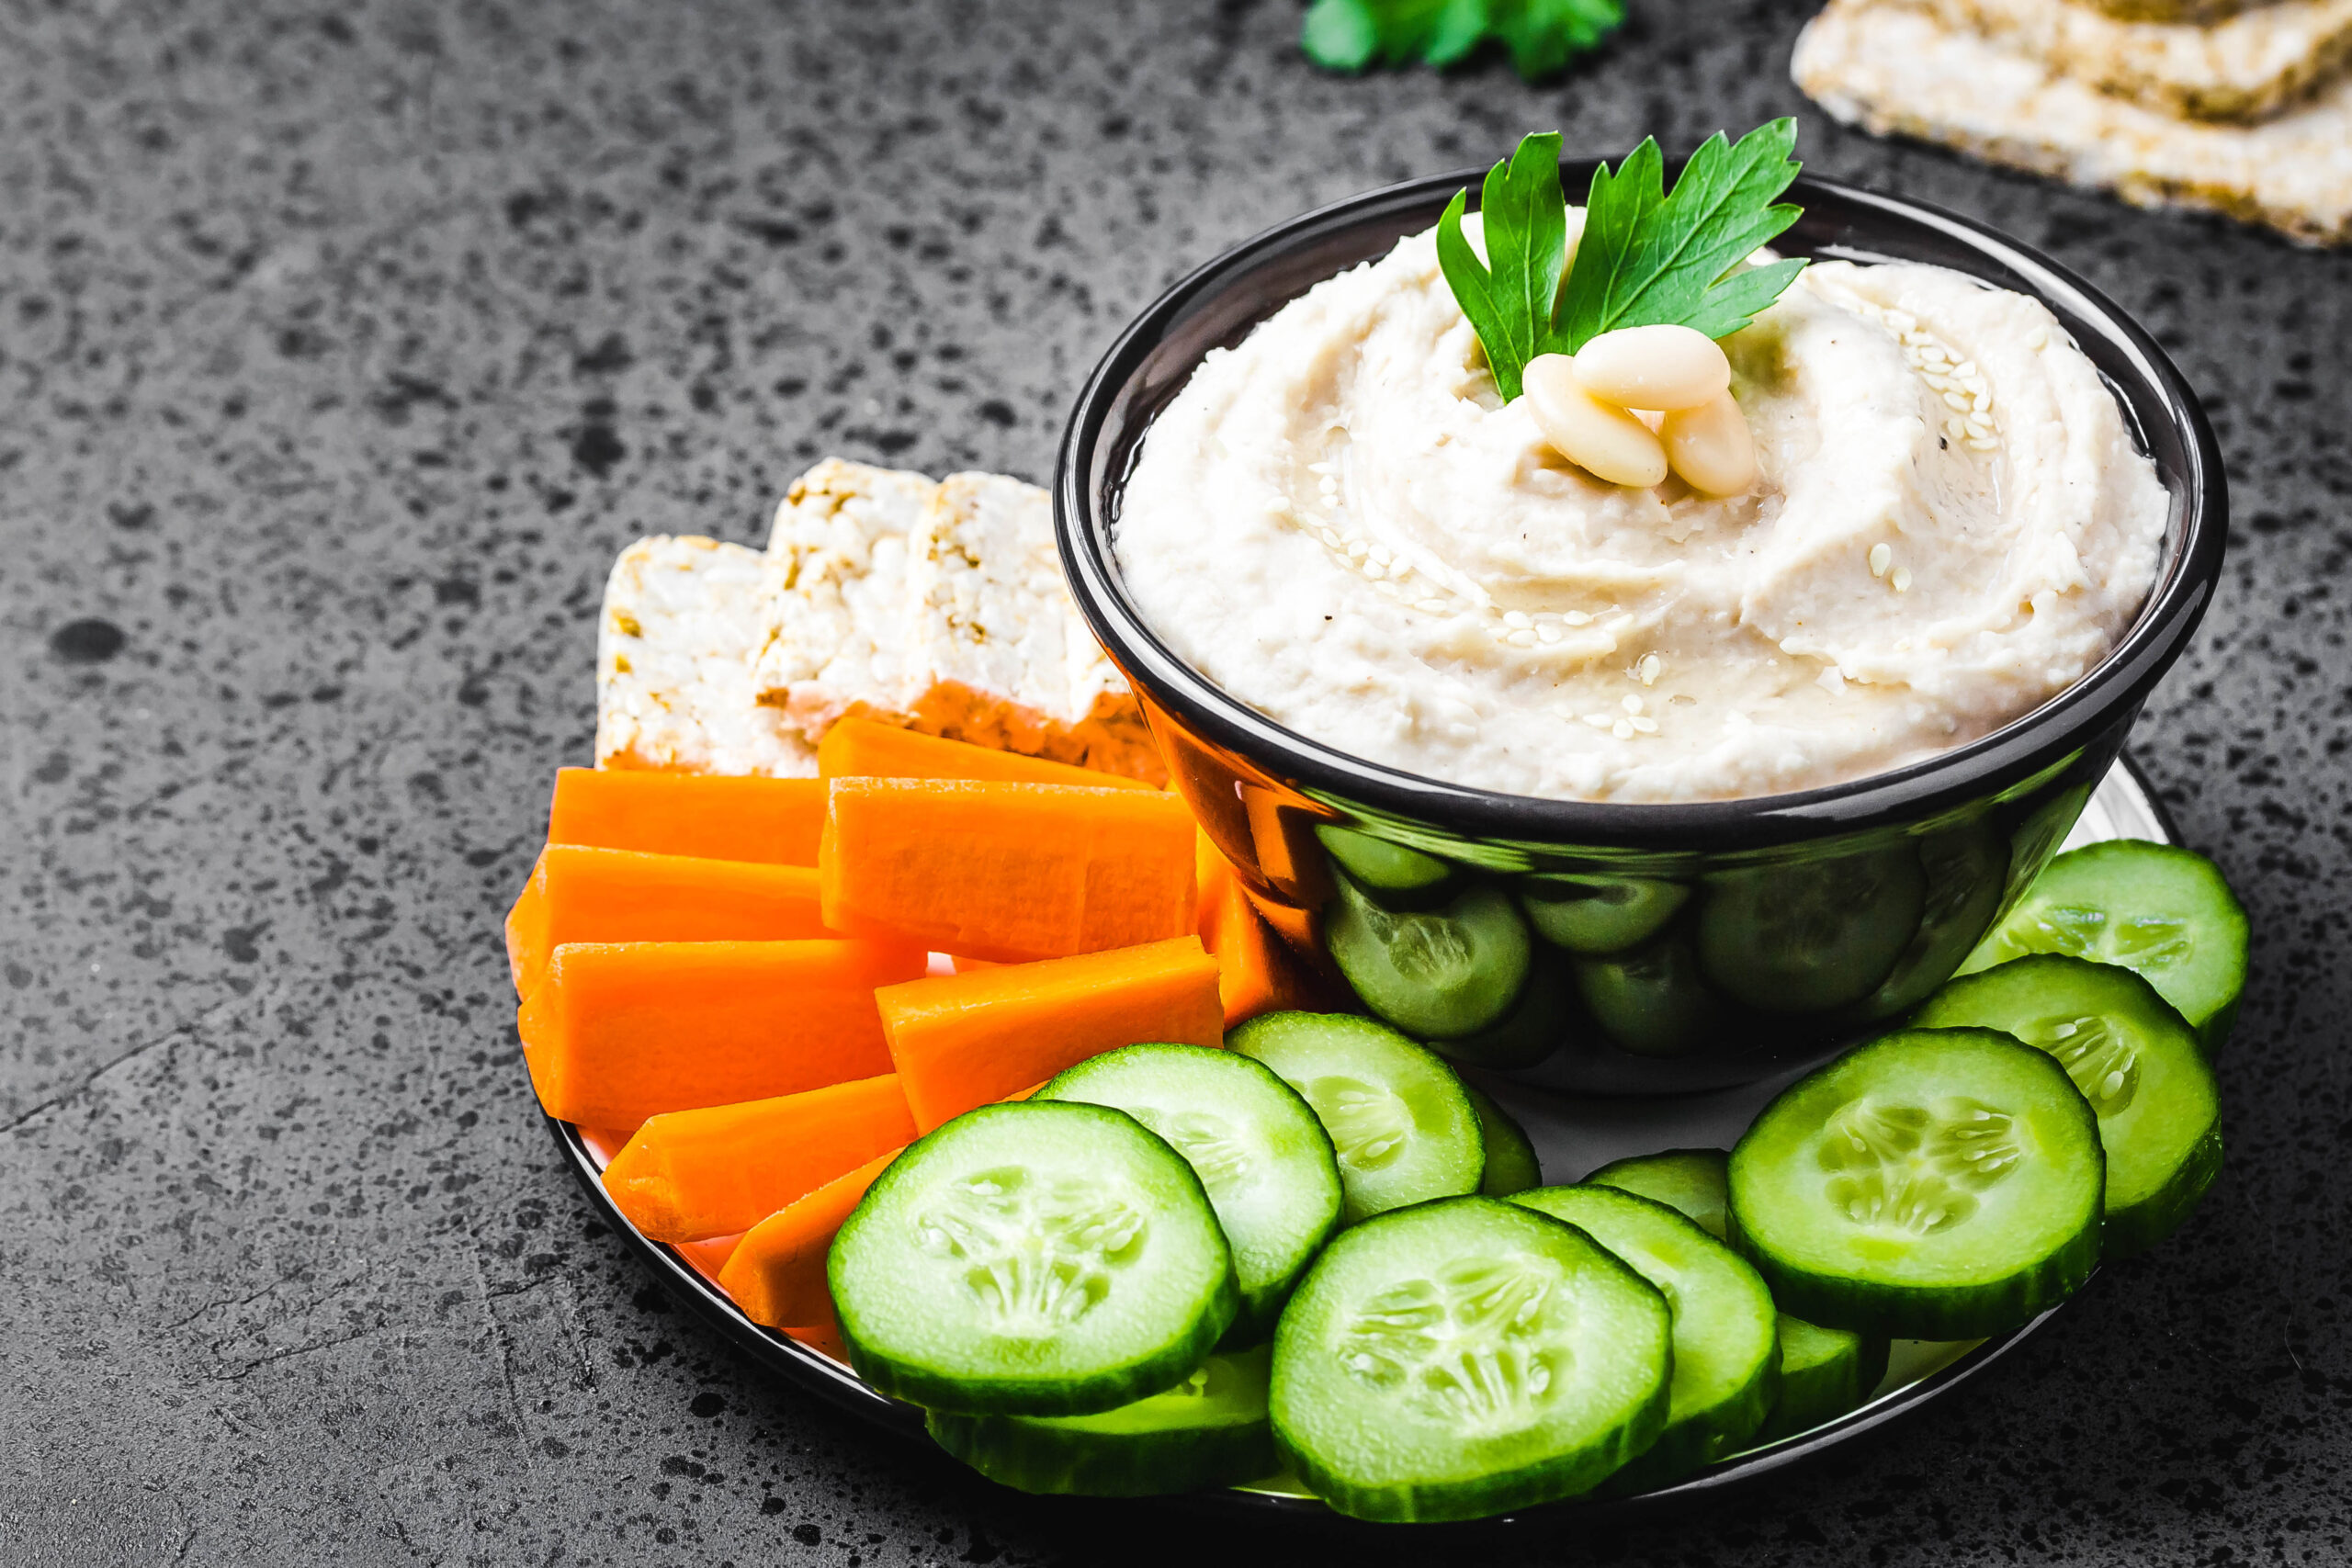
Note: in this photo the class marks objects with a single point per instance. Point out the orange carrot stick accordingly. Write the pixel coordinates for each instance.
(1013, 872)
(862, 748)
(1282, 845)
(620, 1032)
(708, 1257)
(587, 895)
(1211, 872)
(606, 1143)
(690, 1175)
(964, 1040)
(776, 1273)
(825, 1339)
(711, 815)
(1257, 971)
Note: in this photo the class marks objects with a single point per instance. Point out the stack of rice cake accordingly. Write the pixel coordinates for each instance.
(2243, 106)
(937, 605)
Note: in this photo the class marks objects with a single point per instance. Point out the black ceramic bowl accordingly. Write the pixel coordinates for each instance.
(1670, 946)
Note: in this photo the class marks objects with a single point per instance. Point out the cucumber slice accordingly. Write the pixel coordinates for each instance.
(1209, 1430)
(1263, 1158)
(1811, 935)
(1511, 1165)
(1439, 973)
(1967, 869)
(1401, 878)
(1824, 1372)
(1465, 1358)
(2162, 911)
(1933, 1184)
(1727, 1345)
(1598, 914)
(1036, 1259)
(2134, 1058)
(1401, 1122)
(1650, 1001)
(1691, 1181)
(1537, 1024)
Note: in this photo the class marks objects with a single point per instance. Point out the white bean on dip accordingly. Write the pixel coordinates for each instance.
(1602, 438)
(1710, 446)
(1666, 368)
(1341, 522)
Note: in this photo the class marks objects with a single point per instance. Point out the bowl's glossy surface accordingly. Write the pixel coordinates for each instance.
(1624, 948)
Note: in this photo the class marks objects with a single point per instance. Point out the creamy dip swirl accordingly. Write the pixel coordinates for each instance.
(1339, 523)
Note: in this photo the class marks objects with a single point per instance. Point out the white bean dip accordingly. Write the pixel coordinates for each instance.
(1339, 523)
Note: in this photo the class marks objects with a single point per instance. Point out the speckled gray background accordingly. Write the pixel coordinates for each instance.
(339, 348)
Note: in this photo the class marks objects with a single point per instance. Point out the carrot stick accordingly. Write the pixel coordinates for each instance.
(781, 1282)
(606, 1143)
(587, 895)
(964, 1040)
(1300, 930)
(824, 1337)
(1257, 971)
(1282, 844)
(708, 1257)
(778, 1272)
(1013, 872)
(711, 815)
(690, 1175)
(1211, 872)
(620, 1032)
(862, 748)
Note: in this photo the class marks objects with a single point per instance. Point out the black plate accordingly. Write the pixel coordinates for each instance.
(1599, 1130)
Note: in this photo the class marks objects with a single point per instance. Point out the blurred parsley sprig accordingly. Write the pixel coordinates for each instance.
(1543, 36)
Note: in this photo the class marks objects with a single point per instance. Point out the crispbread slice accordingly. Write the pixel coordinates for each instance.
(2244, 68)
(833, 625)
(997, 651)
(1894, 69)
(673, 678)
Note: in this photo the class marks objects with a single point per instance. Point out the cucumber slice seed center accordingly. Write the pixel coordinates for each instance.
(1916, 1170)
(1217, 1154)
(1039, 1254)
(1428, 950)
(2103, 1060)
(1467, 1346)
(2145, 942)
(1369, 1125)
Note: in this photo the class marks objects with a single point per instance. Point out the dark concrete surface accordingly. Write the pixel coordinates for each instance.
(339, 348)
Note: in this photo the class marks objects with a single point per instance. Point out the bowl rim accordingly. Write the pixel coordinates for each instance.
(2023, 749)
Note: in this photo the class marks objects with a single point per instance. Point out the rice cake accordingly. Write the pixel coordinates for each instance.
(998, 653)
(682, 617)
(940, 606)
(1893, 69)
(2244, 68)
(833, 617)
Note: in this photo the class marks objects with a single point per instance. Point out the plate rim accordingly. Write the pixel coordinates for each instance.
(811, 1371)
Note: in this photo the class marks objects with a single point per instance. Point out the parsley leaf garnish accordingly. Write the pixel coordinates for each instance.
(1509, 299)
(1543, 36)
(1647, 258)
